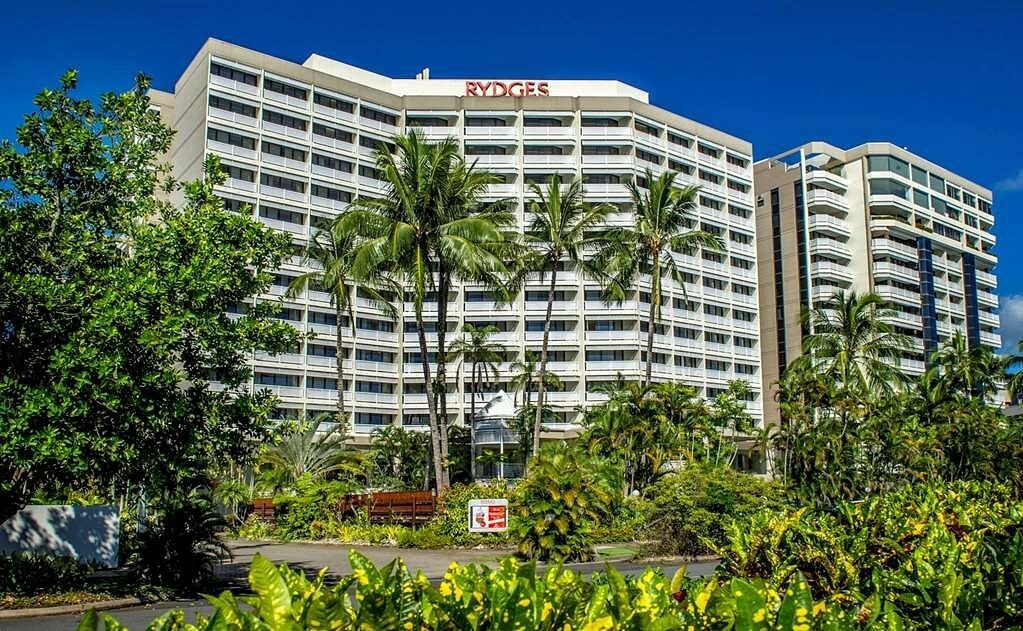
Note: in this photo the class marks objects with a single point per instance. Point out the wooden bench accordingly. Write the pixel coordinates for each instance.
(263, 508)
(405, 507)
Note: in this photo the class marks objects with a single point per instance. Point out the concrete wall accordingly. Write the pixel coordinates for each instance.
(87, 533)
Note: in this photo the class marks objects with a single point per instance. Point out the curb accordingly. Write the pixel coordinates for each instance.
(102, 605)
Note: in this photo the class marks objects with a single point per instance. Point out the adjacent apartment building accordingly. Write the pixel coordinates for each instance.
(872, 218)
(297, 141)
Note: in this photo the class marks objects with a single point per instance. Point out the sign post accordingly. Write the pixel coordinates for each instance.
(488, 515)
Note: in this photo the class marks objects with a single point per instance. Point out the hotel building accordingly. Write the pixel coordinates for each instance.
(872, 218)
(298, 141)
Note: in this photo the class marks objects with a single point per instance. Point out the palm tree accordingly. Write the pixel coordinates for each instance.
(563, 227)
(481, 354)
(854, 343)
(1011, 369)
(421, 234)
(970, 372)
(309, 452)
(525, 374)
(331, 253)
(663, 227)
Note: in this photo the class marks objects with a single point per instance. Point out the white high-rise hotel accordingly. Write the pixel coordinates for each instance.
(298, 140)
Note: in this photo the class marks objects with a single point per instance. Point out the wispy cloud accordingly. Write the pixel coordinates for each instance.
(1012, 183)
(1011, 315)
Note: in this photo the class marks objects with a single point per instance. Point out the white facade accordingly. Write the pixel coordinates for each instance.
(298, 143)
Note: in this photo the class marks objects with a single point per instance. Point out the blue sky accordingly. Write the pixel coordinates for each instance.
(942, 79)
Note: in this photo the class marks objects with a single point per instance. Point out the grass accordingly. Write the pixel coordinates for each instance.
(9, 601)
(618, 551)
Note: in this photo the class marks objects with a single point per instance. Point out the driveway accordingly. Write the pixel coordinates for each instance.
(313, 556)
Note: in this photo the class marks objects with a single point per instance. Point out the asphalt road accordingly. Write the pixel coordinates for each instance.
(312, 557)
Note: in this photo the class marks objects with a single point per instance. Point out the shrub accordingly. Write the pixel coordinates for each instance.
(32, 573)
(181, 545)
(693, 506)
(451, 520)
(630, 521)
(558, 503)
(426, 538)
(255, 528)
(307, 513)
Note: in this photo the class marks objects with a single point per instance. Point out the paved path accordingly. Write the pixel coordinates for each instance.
(312, 557)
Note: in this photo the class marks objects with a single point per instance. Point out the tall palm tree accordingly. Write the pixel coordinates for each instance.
(1012, 369)
(855, 344)
(331, 254)
(525, 374)
(664, 220)
(421, 232)
(562, 229)
(482, 355)
(969, 372)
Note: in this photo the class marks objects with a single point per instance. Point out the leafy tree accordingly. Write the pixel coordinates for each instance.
(482, 355)
(424, 232)
(399, 457)
(664, 220)
(562, 229)
(113, 305)
(314, 451)
(331, 253)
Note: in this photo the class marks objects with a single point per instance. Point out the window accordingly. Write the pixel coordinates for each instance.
(889, 187)
(605, 325)
(334, 194)
(273, 379)
(332, 103)
(888, 163)
(541, 121)
(681, 167)
(321, 350)
(333, 133)
(658, 358)
(745, 342)
(744, 290)
(322, 317)
(234, 74)
(283, 151)
(739, 211)
(984, 206)
(605, 356)
(743, 316)
(937, 184)
(291, 315)
(740, 237)
(376, 144)
(708, 150)
(717, 365)
(276, 181)
(542, 150)
(321, 383)
(921, 198)
(659, 329)
(414, 388)
(648, 129)
(714, 283)
(601, 178)
(969, 199)
(687, 361)
(687, 333)
(377, 115)
(717, 338)
(331, 163)
(736, 161)
(707, 176)
(920, 176)
(226, 137)
(238, 173)
(280, 214)
(234, 205)
(283, 119)
(374, 386)
(365, 355)
(368, 324)
(415, 357)
(416, 419)
(485, 121)
(647, 156)
(485, 150)
(745, 369)
(684, 305)
(951, 191)
(372, 418)
(429, 326)
(541, 296)
(675, 139)
(738, 186)
(715, 310)
(556, 325)
(741, 263)
(283, 280)
(232, 106)
(286, 89)
(599, 121)
(370, 172)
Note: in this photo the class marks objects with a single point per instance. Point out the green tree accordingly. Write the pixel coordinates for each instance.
(399, 457)
(968, 372)
(330, 254)
(525, 375)
(853, 342)
(314, 451)
(113, 305)
(664, 220)
(482, 355)
(562, 230)
(425, 231)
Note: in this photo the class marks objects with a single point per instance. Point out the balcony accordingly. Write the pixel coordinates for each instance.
(494, 160)
(233, 117)
(333, 204)
(612, 336)
(558, 305)
(554, 336)
(293, 392)
(608, 133)
(486, 305)
(235, 86)
(282, 193)
(435, 134)
(284, 358)
(987, 298)
(284, 130)
(717, 163)
(888, 246)
(376, 336)
(547, 132)
(598, 305)
(831, 270)
(649, 140)
(501, 190)
(987, 278)
(286, 99)
(612, 190)
(333, 113)
(380, 398)
(613, 366)
(826, 199)
(227, 149)
(885, 269)
(493, 133)
(322, 329)
(911, 366)
(386, 128)
(827, 180)
(284, 226)
(319, 361)
(990, 319)
(897, 294)
(336, 175)
(281, 161)
(828, 225)
(240, 185)
(830, 247)
(371, 366)
(548, 160)
(333, 143)
(570, 396)
(991, 339)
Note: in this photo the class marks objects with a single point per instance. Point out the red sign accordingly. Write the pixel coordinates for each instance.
(488, 515)
(506, 88)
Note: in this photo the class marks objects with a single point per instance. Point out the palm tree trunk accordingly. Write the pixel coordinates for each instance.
(443, 285)
(655, 298)
(339, 364)
(439, 462)
(543, 359)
